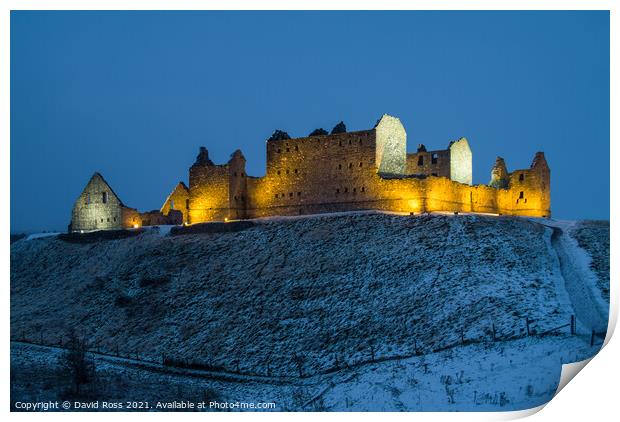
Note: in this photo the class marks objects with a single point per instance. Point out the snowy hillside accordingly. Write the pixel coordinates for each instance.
(304, 297)
(593, 236)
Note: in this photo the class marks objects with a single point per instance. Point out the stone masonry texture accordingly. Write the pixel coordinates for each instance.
(342, 171)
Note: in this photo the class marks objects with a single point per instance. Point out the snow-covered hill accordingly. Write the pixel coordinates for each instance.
(300, 297)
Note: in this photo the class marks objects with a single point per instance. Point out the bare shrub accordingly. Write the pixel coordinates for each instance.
(318, 405)
(529, 390)
(79, 366)
(124, 300)
(447, 381)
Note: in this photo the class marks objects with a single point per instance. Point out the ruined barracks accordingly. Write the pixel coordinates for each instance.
(329, 172)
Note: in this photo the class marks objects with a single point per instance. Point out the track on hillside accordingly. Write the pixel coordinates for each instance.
(579, 282)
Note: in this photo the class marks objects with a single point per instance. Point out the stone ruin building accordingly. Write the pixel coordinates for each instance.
(99, 208)
(330, 172)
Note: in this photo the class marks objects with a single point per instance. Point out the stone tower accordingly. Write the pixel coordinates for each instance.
(541, 182)
(460, 161)
(499, 174)
(217, 192)
(391, 146)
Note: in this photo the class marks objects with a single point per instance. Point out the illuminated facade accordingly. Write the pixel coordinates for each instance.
(363, 170)
(99, 208)
(335, 172)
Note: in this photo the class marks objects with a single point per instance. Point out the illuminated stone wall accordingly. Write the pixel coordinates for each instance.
(342, 172)
(325, 191)
(529, 192)
(131, 218)
(499, 174)
(442, 194)
(426, 194)
(209, 193)
(237, 186)
(156, 218)
(97, 207)
(430, 163)
(455, 163)
(345, 171)
(460, 161)
(177, 200)
(391, 146)
(315, 174)
(217, 192)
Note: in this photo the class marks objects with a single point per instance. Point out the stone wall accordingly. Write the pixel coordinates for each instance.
(455, 163)
(422, 194)
(157, 218)
(131, 218)
(342, 171)
(177, 200)
(499, 174)
(391, 146)
(97, 207)
(529, 192)
(314, 173)
(430, 163)
(218, 192)
(460, 161)
(237, 186)
(209, 193)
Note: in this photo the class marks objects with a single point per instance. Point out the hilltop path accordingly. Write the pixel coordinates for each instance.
(579, 279)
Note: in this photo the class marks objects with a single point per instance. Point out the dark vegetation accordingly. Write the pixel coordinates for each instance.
(229, 227)
(76, 375)
(98, 236)
(16, 237)
(80, 369)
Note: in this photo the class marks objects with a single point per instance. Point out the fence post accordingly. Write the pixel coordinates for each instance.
(527, 325)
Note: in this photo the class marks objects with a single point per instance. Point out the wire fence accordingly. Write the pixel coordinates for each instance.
(339, 363)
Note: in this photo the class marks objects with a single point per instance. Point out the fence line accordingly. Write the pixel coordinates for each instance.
(183, 363)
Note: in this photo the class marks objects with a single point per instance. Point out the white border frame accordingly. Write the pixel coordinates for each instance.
(590, 397)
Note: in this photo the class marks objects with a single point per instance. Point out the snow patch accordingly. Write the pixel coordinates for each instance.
(41, 235)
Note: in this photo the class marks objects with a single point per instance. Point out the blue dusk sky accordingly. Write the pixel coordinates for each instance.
(134, 94)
